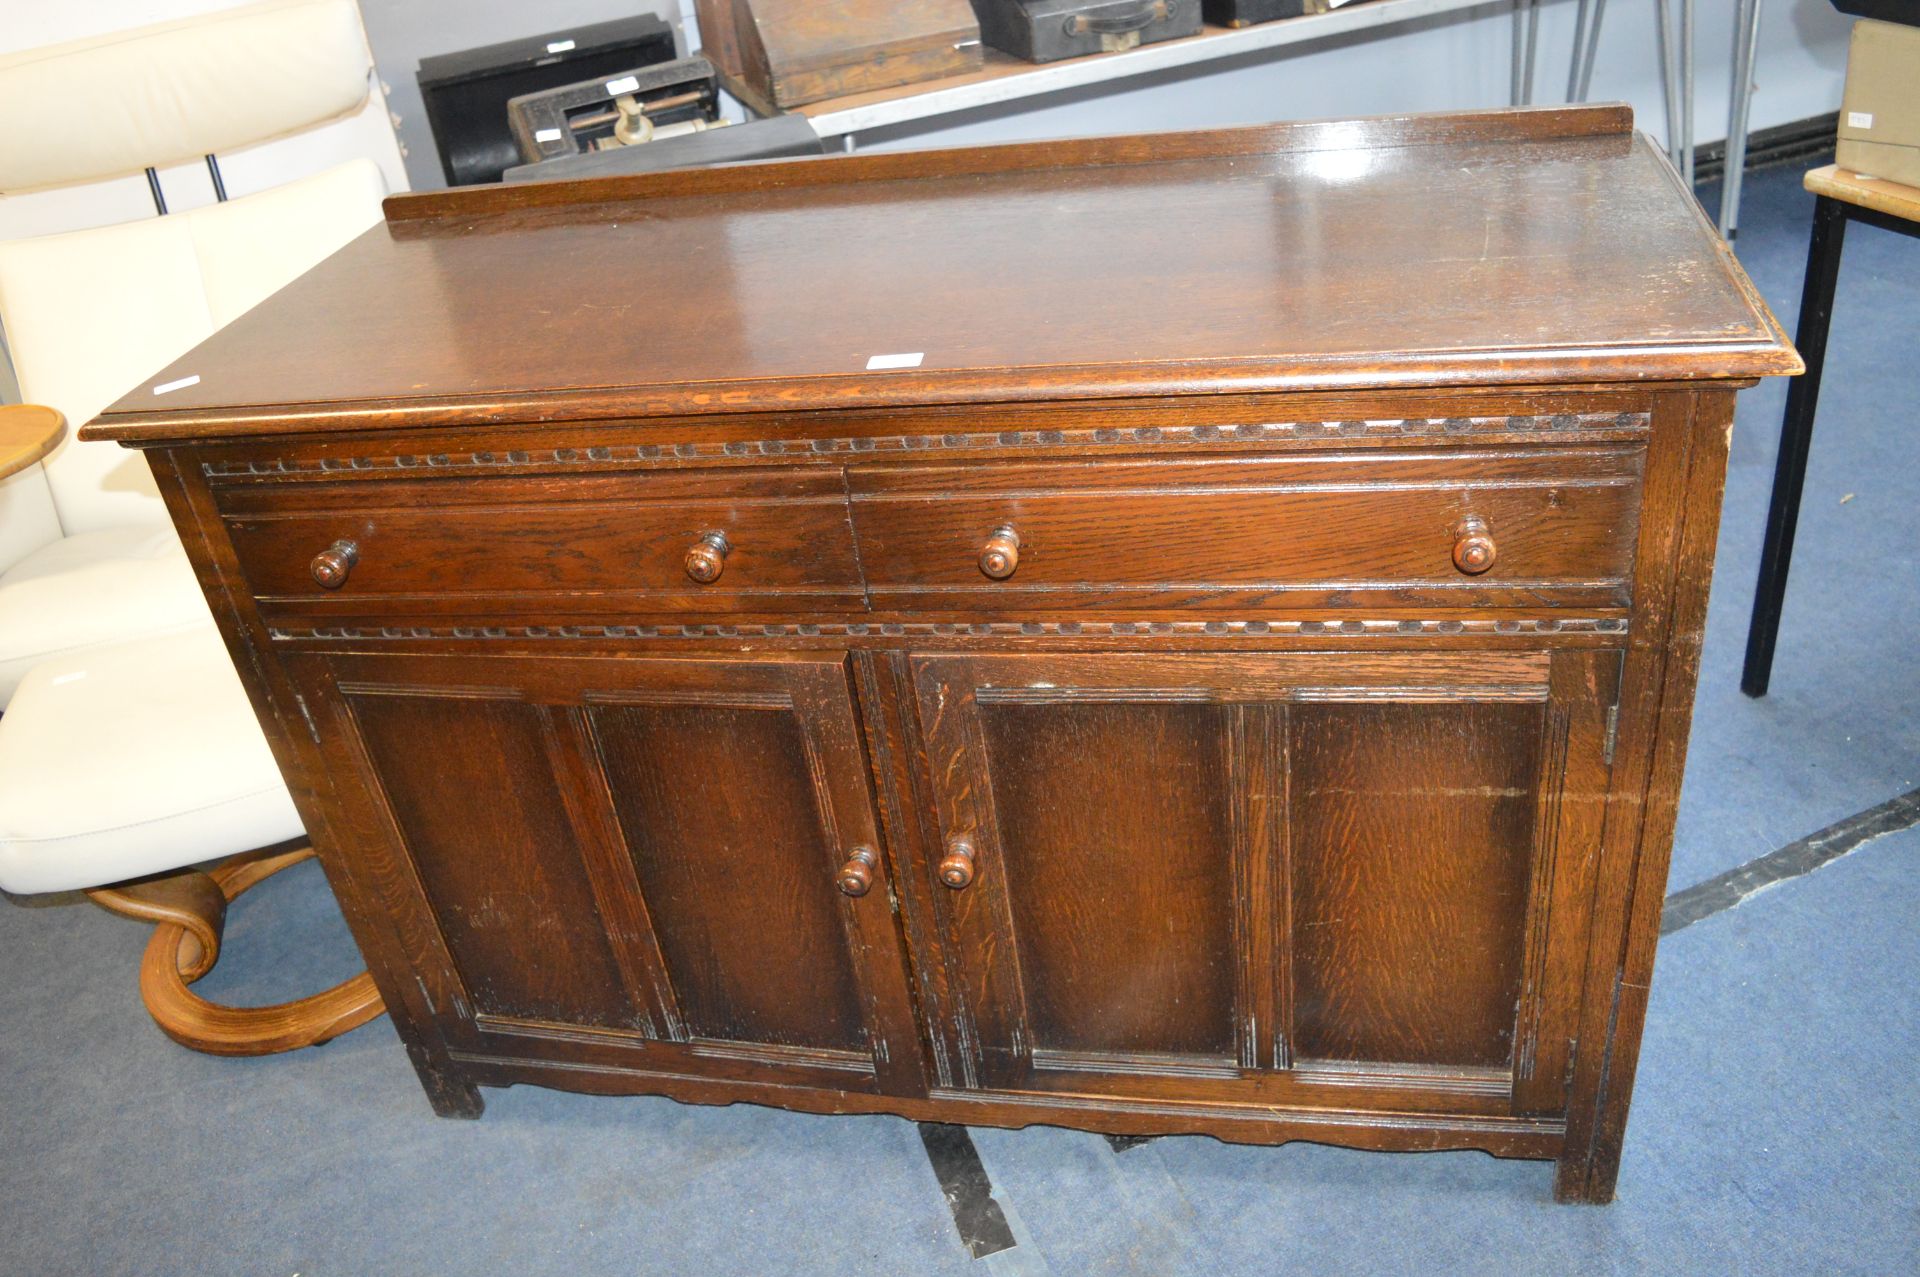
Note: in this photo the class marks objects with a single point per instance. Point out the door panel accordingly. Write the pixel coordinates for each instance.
(497, 885)
(1094, 882)
(1412, 842)
(634, 860)
(1263, 874)
(726, 837)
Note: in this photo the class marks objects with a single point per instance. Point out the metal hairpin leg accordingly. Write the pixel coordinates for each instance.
(1676, 70)
(1746, 40)
(1669, 73)
(1580, 24)
(1676, 78)
(1526, 38)
(1686, 91)
(1586, 45)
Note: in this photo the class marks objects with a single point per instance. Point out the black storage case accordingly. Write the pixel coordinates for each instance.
(466, 93)
(1905, 12)
(1247, 13)
(1048, 30)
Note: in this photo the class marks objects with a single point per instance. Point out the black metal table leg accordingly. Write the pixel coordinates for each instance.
(1796, 434)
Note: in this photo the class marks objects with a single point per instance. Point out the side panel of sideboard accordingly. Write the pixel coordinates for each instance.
(374, 905)
(1680, 524)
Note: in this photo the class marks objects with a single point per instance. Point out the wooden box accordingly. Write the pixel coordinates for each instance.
(1183, 633)
(778, 54)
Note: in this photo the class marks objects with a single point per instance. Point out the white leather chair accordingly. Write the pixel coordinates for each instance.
(128, 749)
(87, 555)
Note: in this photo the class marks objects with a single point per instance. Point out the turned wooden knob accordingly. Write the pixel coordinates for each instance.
(708, 557)
(856, 876)
(1473, 547)
(956, 870)
(331, 566)
(1001, 554)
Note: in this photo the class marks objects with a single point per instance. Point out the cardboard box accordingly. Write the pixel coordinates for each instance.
(1880, 113)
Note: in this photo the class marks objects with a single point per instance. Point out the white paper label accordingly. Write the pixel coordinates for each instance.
(168, 387)
(896, 361)
(546, 135)
(560, 46)
(625, 84)
(1859, 119)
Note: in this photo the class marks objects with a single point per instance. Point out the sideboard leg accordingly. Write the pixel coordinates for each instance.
(455, 1099)
(450, 1095)
(1578, 1181)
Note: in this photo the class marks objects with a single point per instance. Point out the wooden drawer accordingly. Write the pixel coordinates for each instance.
(1306, 530)
(548, 548)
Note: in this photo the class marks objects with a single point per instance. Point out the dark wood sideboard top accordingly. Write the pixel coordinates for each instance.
(1541, 247)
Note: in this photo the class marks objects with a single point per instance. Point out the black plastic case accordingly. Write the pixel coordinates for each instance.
(1048, 30)
(1247, 13)
(466, 93)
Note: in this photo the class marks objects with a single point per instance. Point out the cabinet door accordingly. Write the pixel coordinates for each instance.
(1249, 876)
(633, 862)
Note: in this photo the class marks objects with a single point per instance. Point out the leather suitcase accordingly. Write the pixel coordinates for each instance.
(1048, 30)
(1247, 13)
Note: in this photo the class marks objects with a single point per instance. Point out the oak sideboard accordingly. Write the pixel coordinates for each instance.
(1190, 633)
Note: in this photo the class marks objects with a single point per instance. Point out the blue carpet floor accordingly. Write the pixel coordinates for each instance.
(1772, 1130)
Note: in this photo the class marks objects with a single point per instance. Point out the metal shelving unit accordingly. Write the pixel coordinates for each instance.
(1005, 79)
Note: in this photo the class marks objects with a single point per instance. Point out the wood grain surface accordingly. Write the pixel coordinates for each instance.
(1876, 193)
(1412, 845)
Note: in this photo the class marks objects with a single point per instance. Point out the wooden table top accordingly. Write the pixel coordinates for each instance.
(1531, 247)
(28, 432)
(1876, 193)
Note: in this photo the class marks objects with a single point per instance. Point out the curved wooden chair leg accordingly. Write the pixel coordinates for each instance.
(190, 911)
(192, 900)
